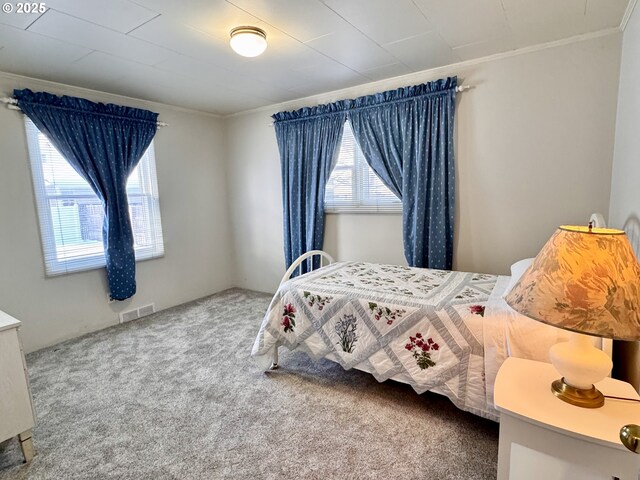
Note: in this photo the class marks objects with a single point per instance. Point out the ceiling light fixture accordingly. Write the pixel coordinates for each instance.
(248, 41)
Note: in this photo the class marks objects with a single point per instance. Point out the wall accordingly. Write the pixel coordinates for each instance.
(534, 143)
(190, 164)
(625, 179)
(624, 210)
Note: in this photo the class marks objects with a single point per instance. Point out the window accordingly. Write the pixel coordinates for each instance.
(353, 186)
(71, 214)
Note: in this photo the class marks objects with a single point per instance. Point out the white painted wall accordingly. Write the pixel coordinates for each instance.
(624, 209)
(625, 181)
(191, 166)
(534, 143)
(365, 237)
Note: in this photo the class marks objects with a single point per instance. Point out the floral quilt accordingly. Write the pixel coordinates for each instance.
(419, 326)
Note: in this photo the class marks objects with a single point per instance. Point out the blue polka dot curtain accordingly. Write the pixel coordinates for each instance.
(406, 136)
(308, 144)
(103, 143)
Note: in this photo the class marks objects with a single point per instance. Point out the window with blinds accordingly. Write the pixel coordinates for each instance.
(71, 214)
(353, 187)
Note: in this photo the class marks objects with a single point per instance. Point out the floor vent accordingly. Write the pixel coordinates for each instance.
(146, 310)
(137, 313)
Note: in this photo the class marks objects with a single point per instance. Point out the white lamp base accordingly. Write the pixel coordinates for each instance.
(581, 365)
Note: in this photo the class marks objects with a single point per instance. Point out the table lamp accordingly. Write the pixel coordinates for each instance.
(586, 280)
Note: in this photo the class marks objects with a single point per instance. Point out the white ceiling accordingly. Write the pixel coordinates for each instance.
(177, 52)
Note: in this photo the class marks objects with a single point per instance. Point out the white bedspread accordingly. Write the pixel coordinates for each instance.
(509, 334)
(418, 326)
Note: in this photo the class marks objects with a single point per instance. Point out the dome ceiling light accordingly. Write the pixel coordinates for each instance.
(248, 41)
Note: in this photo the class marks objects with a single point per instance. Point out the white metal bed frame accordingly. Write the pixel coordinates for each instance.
(294, 266)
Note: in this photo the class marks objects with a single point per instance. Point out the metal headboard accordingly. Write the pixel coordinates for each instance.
(632, 228)
(598, 220)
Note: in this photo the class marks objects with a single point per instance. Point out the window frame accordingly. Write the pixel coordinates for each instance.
(361, 173)
(53, 263)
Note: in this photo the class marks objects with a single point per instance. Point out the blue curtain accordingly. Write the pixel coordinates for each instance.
(307, 140)
(406, 136)
(103, 143)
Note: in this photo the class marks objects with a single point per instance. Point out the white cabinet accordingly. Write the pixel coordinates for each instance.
(17, 416)
(542, 437)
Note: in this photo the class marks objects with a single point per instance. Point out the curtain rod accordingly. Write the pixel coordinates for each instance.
(12, 104)
(459, 88)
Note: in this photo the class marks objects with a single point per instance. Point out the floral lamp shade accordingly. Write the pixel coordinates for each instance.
(586, 280)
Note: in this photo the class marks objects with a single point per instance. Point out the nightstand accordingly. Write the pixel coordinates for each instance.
(17, 416)
(543, 437)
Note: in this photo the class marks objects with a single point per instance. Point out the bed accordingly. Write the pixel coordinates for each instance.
(441, 331)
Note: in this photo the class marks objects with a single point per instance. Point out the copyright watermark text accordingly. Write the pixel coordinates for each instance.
(24, 7)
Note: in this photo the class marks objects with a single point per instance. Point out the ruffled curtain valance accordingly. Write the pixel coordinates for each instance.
(103, 143)
(437, 87)
(84, 106)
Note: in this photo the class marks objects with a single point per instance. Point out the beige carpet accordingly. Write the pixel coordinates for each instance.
(176, 396)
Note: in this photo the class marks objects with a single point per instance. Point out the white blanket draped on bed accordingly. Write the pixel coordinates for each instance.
(433, 329)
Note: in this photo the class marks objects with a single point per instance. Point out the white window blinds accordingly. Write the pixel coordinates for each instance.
(353, 187)
(71, 214)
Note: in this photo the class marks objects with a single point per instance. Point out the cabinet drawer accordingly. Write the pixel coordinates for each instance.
(16, 413)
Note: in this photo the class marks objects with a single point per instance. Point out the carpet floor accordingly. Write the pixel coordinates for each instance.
(176, 396)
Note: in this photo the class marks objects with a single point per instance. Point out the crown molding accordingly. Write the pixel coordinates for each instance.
(627, 14)
(334, 95)
(116, 97)
(410, 78)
